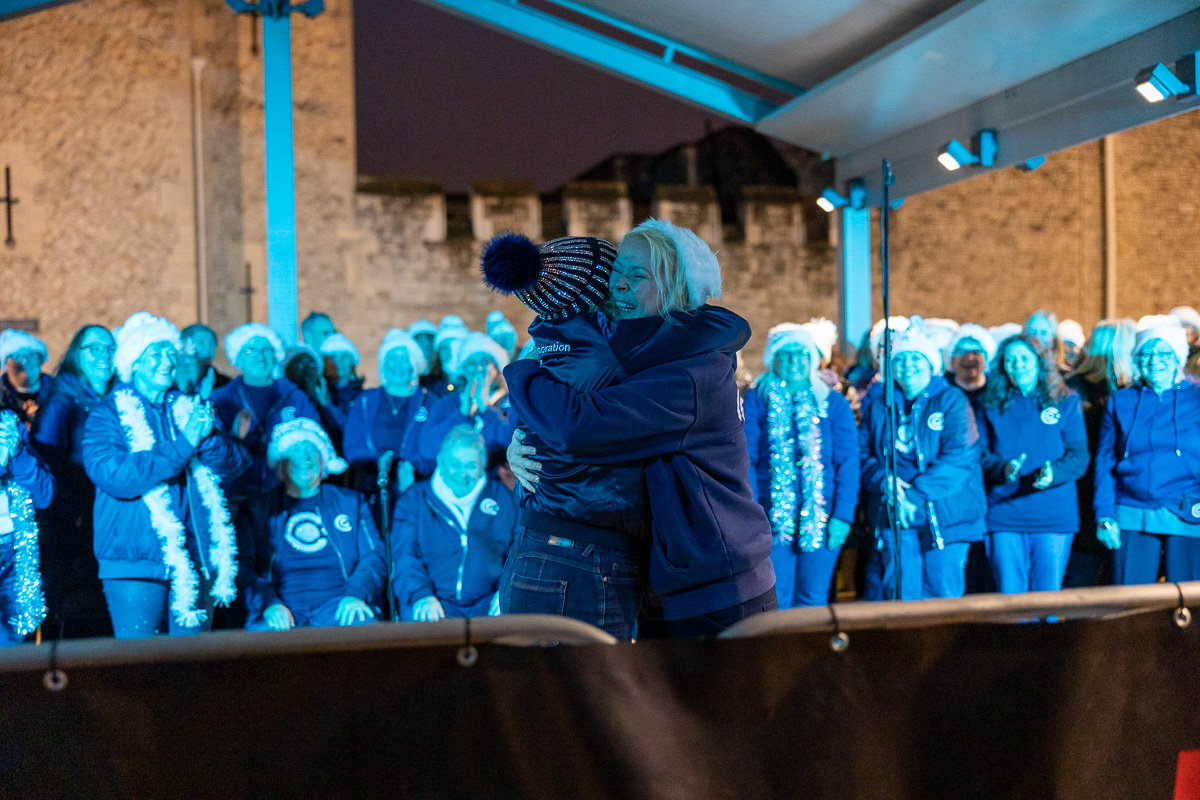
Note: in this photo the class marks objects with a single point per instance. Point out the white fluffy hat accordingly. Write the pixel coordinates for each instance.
(298, 350)
(940, 330)
(13, 341)
(422, 326)
(452, 321)
(474, 344)
(453, 333)
(896, 323)
(1189, 316)
(237, 338)
(302, 429)
(498, 323)
(1166, 327)
(916, 340)
(139, 332)
(969, 332)
(1003, 332)
(701, 270)
(1071, 332)
(825, 334)
(400, 338)
(787, 334)
(339, 343)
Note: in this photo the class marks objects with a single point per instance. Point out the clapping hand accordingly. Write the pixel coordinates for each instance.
(1044, 476)
(199, 423)
(205, 387)
(1012, 470)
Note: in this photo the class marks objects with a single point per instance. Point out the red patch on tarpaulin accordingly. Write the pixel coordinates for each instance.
(1187, 776)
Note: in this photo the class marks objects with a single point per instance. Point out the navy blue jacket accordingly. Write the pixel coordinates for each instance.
(229, 400)
(1149, 450)
(58, 437)
(494, 423)
(1056, 435)
(947, 481)
(126, 544)
(711, 540)
(359, 443)
(352, 534)
(433, 556)
(839, 454)
(26, 469)
(10, 399)
(612, 496)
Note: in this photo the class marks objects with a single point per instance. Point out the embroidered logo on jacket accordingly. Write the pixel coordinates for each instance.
(937, 421)
(422, 414)
(288, 413)
(305, 532)
(342, 523)
(490, 507)
(1051, 416)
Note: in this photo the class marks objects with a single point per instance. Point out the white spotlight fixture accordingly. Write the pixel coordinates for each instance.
(831, 200)
(1160, 83)
(955, 154)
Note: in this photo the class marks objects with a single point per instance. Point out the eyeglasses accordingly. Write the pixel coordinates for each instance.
(98, 350)
(1156, 358)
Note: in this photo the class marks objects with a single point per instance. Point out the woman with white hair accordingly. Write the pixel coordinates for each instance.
(342, 357)
(935, 495)
(163, 536)
(804, 469)
(1147, 490)
(317, 559)
(253, 403)
(389, 420)
(678, 409)
(480, 399)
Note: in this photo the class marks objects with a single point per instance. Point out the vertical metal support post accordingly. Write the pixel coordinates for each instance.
(854, 275)
(282, 295)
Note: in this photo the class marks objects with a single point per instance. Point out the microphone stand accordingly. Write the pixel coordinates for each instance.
(889, 395)
(386, 524)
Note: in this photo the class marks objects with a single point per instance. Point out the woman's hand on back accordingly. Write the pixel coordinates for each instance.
(523, 467)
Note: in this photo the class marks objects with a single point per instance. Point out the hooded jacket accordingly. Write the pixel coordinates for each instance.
(351, 530)
(434, 556)
(946, 478)
(58, 437)
(679, 409)
(27, 470)
(839, 454)
(1053, 434)
(289, 402)
(1149, 450)
(494, 423)
(125, 541)
(359, 443)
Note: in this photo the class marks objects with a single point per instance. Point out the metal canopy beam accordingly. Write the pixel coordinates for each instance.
(16, 8)
(1080, 102)
(661, 73)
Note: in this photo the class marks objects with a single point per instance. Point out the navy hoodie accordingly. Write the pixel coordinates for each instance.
(1054, 434)
(711, 540)
(944, 470)
(839, 454)
(1149, 451)
(58, 437)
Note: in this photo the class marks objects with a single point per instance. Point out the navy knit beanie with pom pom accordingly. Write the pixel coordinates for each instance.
(557, 279)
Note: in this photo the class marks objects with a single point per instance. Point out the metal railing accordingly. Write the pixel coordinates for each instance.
(1067, 604)
(526, 630)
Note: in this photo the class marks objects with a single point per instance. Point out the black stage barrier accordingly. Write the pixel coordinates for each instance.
(1083, 709)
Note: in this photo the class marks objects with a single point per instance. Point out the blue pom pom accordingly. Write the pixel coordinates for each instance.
(511, 263)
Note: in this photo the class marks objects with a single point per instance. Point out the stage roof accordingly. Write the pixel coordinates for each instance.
(861, 80)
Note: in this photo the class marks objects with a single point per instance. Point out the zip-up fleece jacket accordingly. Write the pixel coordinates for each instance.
(26, 469)
(351, 529)
(126, 544)
(680, 410)
(434, 557)
(359, 443)
(946, 478)
(1149, 450)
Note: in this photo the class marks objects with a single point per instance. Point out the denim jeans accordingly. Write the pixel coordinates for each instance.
(552, 575)
(925, 571)
(801, 578)
(1137, 559)
(140, 608)
(1028, 562)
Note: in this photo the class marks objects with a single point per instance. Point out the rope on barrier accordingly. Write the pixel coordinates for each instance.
(55, 680)
(467, 654)
(1183, 615)
(840, 641)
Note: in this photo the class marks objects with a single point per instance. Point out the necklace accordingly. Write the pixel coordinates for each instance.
(391, 405)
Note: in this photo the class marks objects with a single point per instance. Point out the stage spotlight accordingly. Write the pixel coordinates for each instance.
(955, 154)
(829, 200)
(1159, 82)
(1030, 164)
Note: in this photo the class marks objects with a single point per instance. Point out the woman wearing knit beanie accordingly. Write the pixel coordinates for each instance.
(1147, 498)
(164, 538)
(678, 410)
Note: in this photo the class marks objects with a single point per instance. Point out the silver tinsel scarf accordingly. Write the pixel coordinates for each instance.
(31, 603)
(796, 414)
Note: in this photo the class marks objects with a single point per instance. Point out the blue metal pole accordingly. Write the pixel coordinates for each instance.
(854, 274)
(282, 296)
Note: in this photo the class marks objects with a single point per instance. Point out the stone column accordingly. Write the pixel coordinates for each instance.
(771, 215)
(597, 208)
(498, 206)
(694, 207)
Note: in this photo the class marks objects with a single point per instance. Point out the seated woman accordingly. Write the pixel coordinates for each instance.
(451, 536)
(1147, 493)
(163, 537)
(25, 484)
(804, 468)
(938, 486)
(1034, 448)
(390, 419)
(252, 404)
(480, 400)
(84, 378)
(317, 557)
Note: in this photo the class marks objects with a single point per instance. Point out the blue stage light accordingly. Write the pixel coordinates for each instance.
(955, 154)
(1158, 83)
(829, 200)
(1030, 164)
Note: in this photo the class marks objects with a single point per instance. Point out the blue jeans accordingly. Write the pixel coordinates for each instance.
(801, 578)
(141, 608)
(1137, 559)
(587, 582)
(713, 623)
(1028, 562)
(925, 571)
